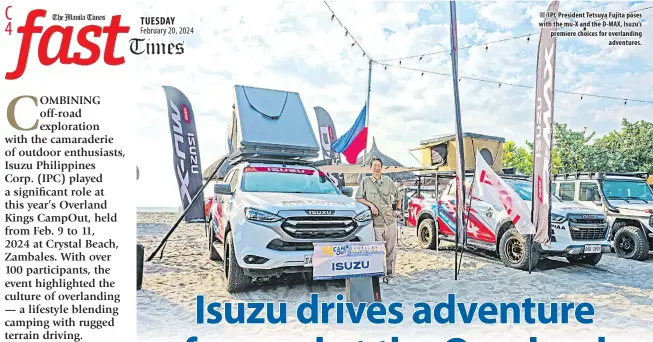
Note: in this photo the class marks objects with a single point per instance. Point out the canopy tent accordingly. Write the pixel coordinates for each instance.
(353, 172)
(393, 168)
(221, 173)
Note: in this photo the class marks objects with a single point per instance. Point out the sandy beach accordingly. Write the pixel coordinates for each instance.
(620, 290)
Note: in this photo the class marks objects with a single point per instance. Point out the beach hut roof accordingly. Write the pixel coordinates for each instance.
(354, 178)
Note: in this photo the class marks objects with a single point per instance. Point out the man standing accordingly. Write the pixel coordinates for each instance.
(376, 192)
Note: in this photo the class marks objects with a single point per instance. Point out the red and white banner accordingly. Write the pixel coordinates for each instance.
(543, 138)
(490, 188)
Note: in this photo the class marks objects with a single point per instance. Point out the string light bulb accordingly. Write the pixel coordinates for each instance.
(352, 44)
(582, 96)
(346, 33)
(422, 74)
(421, 58)
(399, 62)
(528, 39)
(333, 16)
(485, 46)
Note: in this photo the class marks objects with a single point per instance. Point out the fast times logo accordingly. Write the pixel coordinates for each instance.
(29, 29)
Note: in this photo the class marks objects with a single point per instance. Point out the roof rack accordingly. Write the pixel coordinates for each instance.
(452, 174)
(600, 175)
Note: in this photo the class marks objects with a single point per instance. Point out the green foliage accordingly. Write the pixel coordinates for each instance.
(628, 150)
(518, 157)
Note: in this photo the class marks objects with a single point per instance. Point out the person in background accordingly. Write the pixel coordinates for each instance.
(377, 192)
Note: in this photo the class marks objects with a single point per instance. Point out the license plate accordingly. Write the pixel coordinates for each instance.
(593, 249)
(308, 260)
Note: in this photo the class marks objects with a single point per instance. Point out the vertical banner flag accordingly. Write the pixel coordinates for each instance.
(186, 154)
(490, 188)
(354, 140)
(327, 133)
(544, 92)
(460, 165)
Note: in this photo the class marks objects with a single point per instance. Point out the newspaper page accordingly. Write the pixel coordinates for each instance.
(168, 175)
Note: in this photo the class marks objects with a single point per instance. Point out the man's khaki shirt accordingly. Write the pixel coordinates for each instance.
(379, 193)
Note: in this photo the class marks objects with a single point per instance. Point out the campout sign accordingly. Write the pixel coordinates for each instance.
(339, 260)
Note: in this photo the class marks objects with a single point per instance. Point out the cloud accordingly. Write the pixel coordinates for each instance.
(295, 46)
(504, 14)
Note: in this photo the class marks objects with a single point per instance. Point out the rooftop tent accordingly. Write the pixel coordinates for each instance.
(270, 123)
(440, 151)
(266, 125)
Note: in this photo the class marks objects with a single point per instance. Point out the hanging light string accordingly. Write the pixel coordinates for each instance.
(528, 38)
(347, 32)
(461, 48)
(500, 83)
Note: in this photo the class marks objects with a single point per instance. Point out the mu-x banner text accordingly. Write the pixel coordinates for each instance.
(64, 56)
(186, 151)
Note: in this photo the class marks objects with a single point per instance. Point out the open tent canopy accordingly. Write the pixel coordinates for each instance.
(226, 166)
(353, 173)
(390, 166)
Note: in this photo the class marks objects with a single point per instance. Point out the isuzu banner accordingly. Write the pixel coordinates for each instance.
(339, 260)
(490, 188)
(186, 154)
(328, 135)
(543, 141)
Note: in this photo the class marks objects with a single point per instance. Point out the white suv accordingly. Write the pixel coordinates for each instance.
(580, 234)
(265, 218)
(626, 199)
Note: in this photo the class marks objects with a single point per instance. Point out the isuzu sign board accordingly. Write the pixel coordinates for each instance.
(340, 260)
(544, 91)
(186, 154)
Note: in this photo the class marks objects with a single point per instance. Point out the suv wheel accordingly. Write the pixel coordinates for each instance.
(236, 278)
(630, 243)
(426, 234)
(213, 253)
(586, 259)
(513, 250)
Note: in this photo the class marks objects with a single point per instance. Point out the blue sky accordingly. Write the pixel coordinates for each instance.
(295, 46)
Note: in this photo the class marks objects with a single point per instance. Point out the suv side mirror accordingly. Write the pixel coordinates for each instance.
(222, 189)
(347, 191)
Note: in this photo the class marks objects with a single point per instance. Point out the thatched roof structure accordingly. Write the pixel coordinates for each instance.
(354, 178)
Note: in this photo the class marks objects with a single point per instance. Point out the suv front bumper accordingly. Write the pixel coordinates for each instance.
(251, 242)
(577, 248)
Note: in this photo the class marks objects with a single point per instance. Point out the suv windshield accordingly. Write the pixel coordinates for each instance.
(627, 190)
(525, 190)
(286, 180)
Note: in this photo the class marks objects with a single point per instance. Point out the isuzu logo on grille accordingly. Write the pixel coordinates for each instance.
(319, 212)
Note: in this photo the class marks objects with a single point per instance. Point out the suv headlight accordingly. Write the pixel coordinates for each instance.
(364, 216)
(260, 215)
(555, 218)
